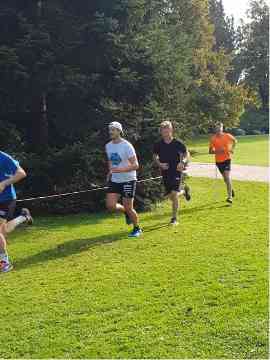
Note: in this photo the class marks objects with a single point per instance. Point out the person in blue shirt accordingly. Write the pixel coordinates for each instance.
(10, 173)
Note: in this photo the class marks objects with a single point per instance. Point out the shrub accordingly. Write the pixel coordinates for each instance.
(254, 132)
(254, 119)
(237, 132)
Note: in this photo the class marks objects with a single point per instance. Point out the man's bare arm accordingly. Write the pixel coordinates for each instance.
(18, 176)
(162, 166)
(133, 165)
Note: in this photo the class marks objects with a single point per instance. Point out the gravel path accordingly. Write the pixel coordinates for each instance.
(239, 172)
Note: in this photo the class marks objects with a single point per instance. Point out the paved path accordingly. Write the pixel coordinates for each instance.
(239, 172)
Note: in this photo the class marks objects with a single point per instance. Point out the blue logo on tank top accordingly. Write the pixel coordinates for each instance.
(115, 159)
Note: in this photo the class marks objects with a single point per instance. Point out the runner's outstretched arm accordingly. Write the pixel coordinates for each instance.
(18, 176)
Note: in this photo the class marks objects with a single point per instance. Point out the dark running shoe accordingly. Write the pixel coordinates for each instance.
(173, 222)
(229, 201)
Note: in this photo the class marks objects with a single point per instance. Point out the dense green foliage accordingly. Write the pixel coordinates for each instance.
(255, 119)
(248, 48)
(254, 50)
(68, 68)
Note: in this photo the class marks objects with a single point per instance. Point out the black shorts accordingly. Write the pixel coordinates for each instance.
(126, 190)
(224, 166)
(172, 183)
(7, 210)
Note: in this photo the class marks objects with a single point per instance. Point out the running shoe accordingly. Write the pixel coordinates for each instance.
(229, 200)
(5, 266)
(26, 213)
(136, 232)
(173, 222)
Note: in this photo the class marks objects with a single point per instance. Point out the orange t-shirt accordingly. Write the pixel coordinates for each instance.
(222, 143)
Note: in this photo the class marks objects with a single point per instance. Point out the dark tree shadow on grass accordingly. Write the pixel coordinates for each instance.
(147, 229)
(70, 221)
(76, 246)
(69, 248)
(204, 208)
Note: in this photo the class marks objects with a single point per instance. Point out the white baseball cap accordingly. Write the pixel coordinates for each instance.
(116, 125)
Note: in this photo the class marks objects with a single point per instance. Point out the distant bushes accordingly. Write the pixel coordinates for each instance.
(72, 168)
(237, 132)
(254, 132)
(255, 122)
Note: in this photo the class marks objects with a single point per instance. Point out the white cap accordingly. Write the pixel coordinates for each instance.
(116, 125)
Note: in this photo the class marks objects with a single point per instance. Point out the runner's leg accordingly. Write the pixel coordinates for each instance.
(3, 242)
(112, 203)
(131, 212)
(174, 197)
(228, 181)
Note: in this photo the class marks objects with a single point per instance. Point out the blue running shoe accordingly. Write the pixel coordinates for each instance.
(136, 232)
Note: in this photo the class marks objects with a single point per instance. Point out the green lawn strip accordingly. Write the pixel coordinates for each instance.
(82, 289)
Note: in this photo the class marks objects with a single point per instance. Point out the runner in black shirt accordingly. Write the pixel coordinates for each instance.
(171, 156)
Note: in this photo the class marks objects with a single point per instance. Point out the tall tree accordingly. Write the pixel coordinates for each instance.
(254, 50)
(224, 28)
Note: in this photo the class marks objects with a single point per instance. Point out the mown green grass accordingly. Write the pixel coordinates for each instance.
(82, 289)
(251, 150)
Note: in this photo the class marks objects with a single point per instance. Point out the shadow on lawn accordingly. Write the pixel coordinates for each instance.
(76, 246)
(204, 208)
(68, 248)
(207, 207)
(58, 222)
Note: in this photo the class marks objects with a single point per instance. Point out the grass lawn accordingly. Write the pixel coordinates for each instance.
(82, 289)
(251, 150)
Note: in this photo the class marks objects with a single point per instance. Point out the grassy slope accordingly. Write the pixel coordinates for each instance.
(251, 150)
(81, 289)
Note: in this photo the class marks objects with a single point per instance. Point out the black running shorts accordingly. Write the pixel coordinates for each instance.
(126, 190)
(224, 166)
(172, 183)
(7, 210)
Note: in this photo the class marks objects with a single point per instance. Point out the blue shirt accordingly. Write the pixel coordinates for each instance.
(8, 168)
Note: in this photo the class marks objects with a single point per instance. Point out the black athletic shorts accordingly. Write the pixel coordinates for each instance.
(7, 210)
(126, 190)
(224, 166)
(172, 183)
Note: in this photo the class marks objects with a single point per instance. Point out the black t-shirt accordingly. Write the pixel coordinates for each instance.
(170, 154)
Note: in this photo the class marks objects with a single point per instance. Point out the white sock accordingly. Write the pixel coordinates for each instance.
(19, 220)
(11, 225)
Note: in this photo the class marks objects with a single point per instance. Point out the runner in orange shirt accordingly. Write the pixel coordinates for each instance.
(222, 144)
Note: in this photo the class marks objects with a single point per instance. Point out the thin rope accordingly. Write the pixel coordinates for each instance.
(55, 196)
(48, 197)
